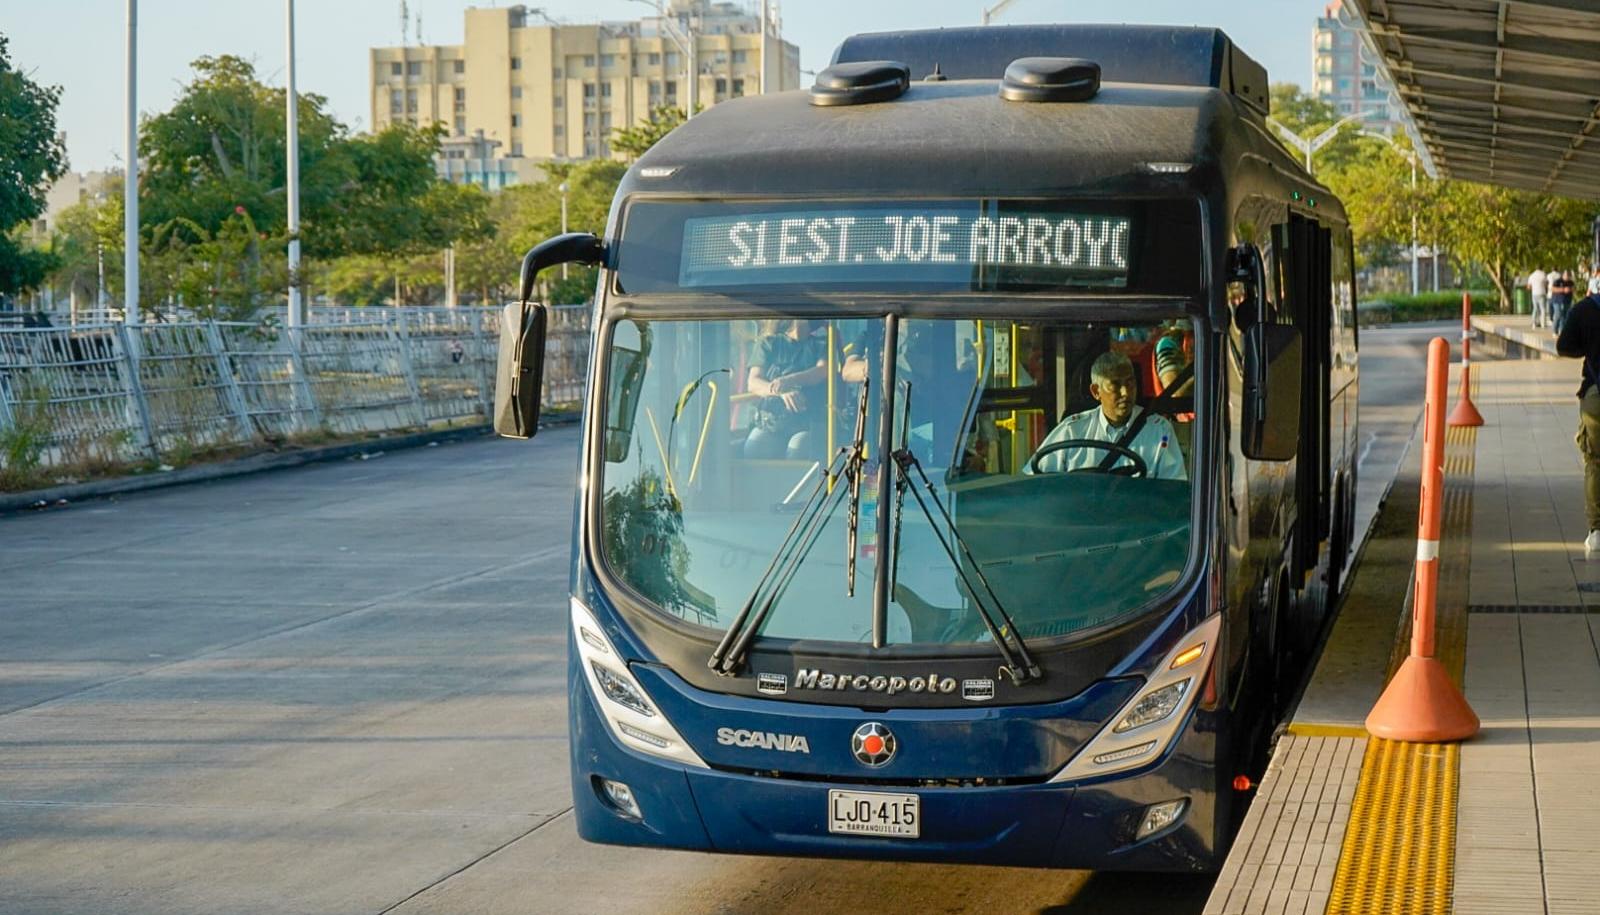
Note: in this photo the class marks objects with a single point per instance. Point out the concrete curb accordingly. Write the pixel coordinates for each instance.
(255, 463)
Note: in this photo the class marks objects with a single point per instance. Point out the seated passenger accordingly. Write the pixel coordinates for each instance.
(787, 370)
(1111, 383)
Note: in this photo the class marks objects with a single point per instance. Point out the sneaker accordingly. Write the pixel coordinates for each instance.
(1591, 544)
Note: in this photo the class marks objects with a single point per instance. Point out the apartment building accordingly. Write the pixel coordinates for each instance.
(537, 90)
(1346, 74)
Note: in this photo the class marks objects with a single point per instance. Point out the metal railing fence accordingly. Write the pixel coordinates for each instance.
(107, 393)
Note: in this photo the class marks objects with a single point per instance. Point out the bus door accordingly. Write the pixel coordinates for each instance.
(1305, 284)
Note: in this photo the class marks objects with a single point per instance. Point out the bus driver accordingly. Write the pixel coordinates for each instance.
(1111, 383)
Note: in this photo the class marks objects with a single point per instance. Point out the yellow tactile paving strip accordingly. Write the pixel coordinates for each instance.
(1398, 854)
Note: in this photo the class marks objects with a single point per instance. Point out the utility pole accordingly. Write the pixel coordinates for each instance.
(292, 127)
(450, 277)
(130, 185)
(764, 20)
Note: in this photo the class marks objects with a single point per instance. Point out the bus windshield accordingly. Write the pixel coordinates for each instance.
(1059, 451)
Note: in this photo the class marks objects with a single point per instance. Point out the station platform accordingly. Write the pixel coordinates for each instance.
(1505, 822)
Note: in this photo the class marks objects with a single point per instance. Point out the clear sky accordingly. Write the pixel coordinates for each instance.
(79, 44)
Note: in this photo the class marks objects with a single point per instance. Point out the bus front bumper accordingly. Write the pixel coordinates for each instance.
(1035, 825)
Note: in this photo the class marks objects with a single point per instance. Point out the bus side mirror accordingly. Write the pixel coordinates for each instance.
(1270, 427)
(519, 371)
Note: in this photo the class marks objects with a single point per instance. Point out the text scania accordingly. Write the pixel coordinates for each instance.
(808, 678)
(1084, 242)
(765, 740)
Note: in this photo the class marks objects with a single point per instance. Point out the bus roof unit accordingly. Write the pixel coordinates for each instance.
(1154, 55)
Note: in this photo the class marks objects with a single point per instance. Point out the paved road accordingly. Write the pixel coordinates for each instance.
(341, 689)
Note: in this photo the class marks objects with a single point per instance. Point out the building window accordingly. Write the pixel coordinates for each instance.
(557, 73)
(722, 85)
(516, 92)
(411, 101)
(461, 127)
(588, 121)
(740, 57)
(588, 149)
(395, 68)
(605, 120)
(461, 97)
(672, 88)
(516, 149)
(516, 63)
(605, 90)
(588, 60)
(413, 68)
(560, 131)
(654, 59)
(560, 100)
(738, 87)
(608, 60)
(720, 58)
(395, 102)
(672, 59)
(655, 89)
(516, 120)
(458, 67)
(588, 90)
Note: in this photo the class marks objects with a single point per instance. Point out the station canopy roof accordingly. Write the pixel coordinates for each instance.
(1504, 92)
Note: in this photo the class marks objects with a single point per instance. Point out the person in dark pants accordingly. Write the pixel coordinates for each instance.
(1561, 290)
(1580, 338)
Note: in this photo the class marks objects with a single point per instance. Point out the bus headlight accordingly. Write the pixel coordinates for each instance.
(1143, 728)
(1153, 706)
(623, 704)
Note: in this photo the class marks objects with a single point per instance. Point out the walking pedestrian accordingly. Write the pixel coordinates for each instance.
(1538, 288)
(1561, 289)
(1594, 282)
(1580, 338)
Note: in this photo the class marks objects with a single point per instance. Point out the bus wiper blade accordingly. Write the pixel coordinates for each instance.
(852, 469)
(803, 533)
(1019, 663)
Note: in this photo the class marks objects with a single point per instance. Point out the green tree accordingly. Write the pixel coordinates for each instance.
(32, 157)
(217, 157)
(634, 141)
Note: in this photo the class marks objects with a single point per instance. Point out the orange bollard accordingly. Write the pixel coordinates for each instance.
(1465, 414)
(1422, 704)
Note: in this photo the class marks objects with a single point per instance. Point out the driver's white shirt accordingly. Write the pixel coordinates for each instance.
(1156, 443)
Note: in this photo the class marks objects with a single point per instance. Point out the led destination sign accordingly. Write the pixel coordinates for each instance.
(943, 245)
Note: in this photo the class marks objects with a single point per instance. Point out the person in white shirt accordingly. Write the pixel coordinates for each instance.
(1111, 382)
(1538, 287)
(1594, 282)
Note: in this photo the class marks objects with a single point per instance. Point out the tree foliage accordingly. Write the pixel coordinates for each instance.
(1498, 230)
(635, 141)
(32, 157)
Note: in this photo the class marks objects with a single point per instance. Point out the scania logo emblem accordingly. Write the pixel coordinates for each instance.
(873, 744)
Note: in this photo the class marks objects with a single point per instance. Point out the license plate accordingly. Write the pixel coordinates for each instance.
(868, 813)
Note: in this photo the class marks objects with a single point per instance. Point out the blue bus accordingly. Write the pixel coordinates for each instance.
(967, 459)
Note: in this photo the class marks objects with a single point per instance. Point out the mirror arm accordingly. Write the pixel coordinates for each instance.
(573, 247)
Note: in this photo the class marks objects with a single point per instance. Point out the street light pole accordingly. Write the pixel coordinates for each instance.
(1308, 147)
(1411, 156)
(130, 185)
(563, 190)
(686, 45)
(292, 127)
(992, 11)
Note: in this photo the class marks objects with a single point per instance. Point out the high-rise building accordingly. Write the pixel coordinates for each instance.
(523, 87)
(1346, 73)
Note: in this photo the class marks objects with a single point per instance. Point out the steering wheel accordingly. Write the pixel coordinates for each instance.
(1139, 469)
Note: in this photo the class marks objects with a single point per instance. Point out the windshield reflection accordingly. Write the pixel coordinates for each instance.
(1057, 450)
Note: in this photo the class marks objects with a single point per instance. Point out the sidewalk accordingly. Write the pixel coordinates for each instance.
(1501, 823)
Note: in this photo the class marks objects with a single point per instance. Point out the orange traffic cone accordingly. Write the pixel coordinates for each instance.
(1465, 414)
(1422, 704)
